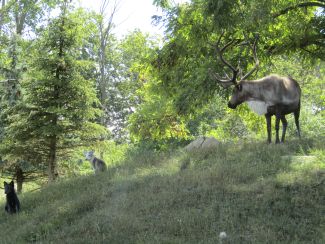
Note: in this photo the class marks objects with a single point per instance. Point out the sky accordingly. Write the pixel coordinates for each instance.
(131, 14)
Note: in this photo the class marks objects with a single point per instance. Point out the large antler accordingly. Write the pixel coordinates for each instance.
(257, 62)
(226, 82)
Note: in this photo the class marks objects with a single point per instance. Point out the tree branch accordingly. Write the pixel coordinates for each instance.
(320, 4)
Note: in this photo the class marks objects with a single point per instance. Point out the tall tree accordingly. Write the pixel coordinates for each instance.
(105, 26)
(58, 111)
(129, 75)
(17, 18)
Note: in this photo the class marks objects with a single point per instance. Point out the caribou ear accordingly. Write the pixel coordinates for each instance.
(239, 87)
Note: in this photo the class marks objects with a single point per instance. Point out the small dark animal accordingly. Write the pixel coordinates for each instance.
(12, 203)
(271, 95)
(97, 164)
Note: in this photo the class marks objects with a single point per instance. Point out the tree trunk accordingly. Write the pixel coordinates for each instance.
(52, 175)
(105, 27)
(19, 179)
(3, 3)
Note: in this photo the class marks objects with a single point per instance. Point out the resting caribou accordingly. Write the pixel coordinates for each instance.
(271, 95)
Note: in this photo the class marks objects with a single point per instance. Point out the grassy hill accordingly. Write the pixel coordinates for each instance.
(254, 192)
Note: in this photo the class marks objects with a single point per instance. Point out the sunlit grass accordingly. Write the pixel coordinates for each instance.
(300, 170)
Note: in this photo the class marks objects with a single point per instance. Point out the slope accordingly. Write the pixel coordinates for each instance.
(254, 192)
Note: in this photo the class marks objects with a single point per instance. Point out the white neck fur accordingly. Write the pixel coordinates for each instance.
(258, 107)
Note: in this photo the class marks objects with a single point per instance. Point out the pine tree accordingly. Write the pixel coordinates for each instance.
(59, 108)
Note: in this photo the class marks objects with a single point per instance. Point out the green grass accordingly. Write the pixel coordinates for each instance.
(256, 193)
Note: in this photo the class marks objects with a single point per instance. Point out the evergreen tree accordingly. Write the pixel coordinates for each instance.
(58, 111)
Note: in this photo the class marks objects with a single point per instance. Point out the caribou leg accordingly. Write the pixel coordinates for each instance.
(284, 127)
(268, 127)
(277, 128)
(296, 115)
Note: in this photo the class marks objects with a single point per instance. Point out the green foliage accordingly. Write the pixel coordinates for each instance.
(156, 120)
(25, 14)
(130, 71)
(234, 188)
(57, 111)
(204, 120)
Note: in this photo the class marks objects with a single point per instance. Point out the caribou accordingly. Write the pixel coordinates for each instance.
(268, 96)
